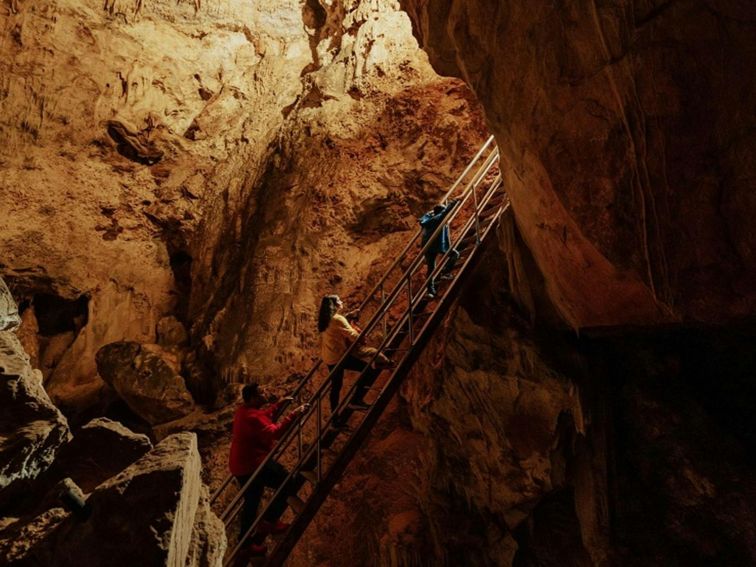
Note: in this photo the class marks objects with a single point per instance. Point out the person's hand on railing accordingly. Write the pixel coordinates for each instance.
(352, 315)
(300, 410)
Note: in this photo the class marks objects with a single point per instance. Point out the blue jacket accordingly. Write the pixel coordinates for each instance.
(430, 222)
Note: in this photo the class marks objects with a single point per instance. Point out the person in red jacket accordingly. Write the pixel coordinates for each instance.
(253, 436)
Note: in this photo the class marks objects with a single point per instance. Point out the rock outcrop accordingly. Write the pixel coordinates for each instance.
(171, 332)
(208, 540)
(152, 513)
(98, 451)
(625, 146)
(9, 317)
(146, 380)
(31, 427)
(221, 166)
(502, 422)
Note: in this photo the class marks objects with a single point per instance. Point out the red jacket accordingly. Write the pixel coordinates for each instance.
(253, 436)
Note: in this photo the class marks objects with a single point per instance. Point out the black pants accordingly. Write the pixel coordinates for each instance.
(337, 380)
(272, 475)
(430, 261)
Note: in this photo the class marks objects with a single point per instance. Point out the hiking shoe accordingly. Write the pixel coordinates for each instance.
(257, 549)
(430, 295)
(383, 364)
(272, 528)
(446, 276)
(248, 552)
(358, 405)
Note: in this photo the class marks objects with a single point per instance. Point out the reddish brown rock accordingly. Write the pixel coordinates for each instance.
(148, 383)
(98, 451)
(626, 145)
(28, 335)
(152, 513)
(171, 332)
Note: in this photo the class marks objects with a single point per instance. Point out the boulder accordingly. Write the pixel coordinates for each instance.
(208, 536)
(21, 537)
(9, 318)
(147, 515)
(145, 380)
(31, 427)
(98, 451)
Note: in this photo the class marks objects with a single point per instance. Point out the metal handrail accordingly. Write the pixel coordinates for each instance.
(414, 300)
(319, 394)
(396, 329)
(314, 451)
(445, 198)
(482, 170)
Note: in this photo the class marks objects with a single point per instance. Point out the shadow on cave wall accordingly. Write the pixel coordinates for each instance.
(683, 436)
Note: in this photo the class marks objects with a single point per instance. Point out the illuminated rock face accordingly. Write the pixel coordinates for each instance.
(221, 164)
(31, 427)
(627, 146)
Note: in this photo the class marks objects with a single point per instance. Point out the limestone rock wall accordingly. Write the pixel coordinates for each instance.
(508, 429)
(31, 427)
(85, 214)
(627, 144)
(214, 162)
(371, 140)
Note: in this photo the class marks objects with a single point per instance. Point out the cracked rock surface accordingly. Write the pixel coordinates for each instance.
(31, 427)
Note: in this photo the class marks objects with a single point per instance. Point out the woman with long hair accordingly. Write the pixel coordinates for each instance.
(336, 336)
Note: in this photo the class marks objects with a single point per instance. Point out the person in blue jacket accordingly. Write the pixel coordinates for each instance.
(429, 222)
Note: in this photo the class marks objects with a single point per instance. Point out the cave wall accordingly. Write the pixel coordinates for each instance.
(373, 137)
(626, 134)
(541, 447)
(86, 216)
(215, 162)
(515, 472)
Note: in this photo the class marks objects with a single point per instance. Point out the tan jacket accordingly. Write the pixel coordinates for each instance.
(336, 339)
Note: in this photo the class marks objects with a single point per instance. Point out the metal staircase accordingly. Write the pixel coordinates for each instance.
(400, 319)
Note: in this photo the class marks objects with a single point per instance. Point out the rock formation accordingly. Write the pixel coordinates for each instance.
(146, 381)
(31, 427)
(155, 512)
(626, 148)
(98, 451)
(182, 182)
(288, 143)
(9, 318)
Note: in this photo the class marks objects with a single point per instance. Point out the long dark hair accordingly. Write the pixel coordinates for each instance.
(327, 311)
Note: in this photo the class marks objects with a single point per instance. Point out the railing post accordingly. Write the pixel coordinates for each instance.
(409, 294)
(317, 453)
(477, 218)
(385, 317)
(299, 434)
